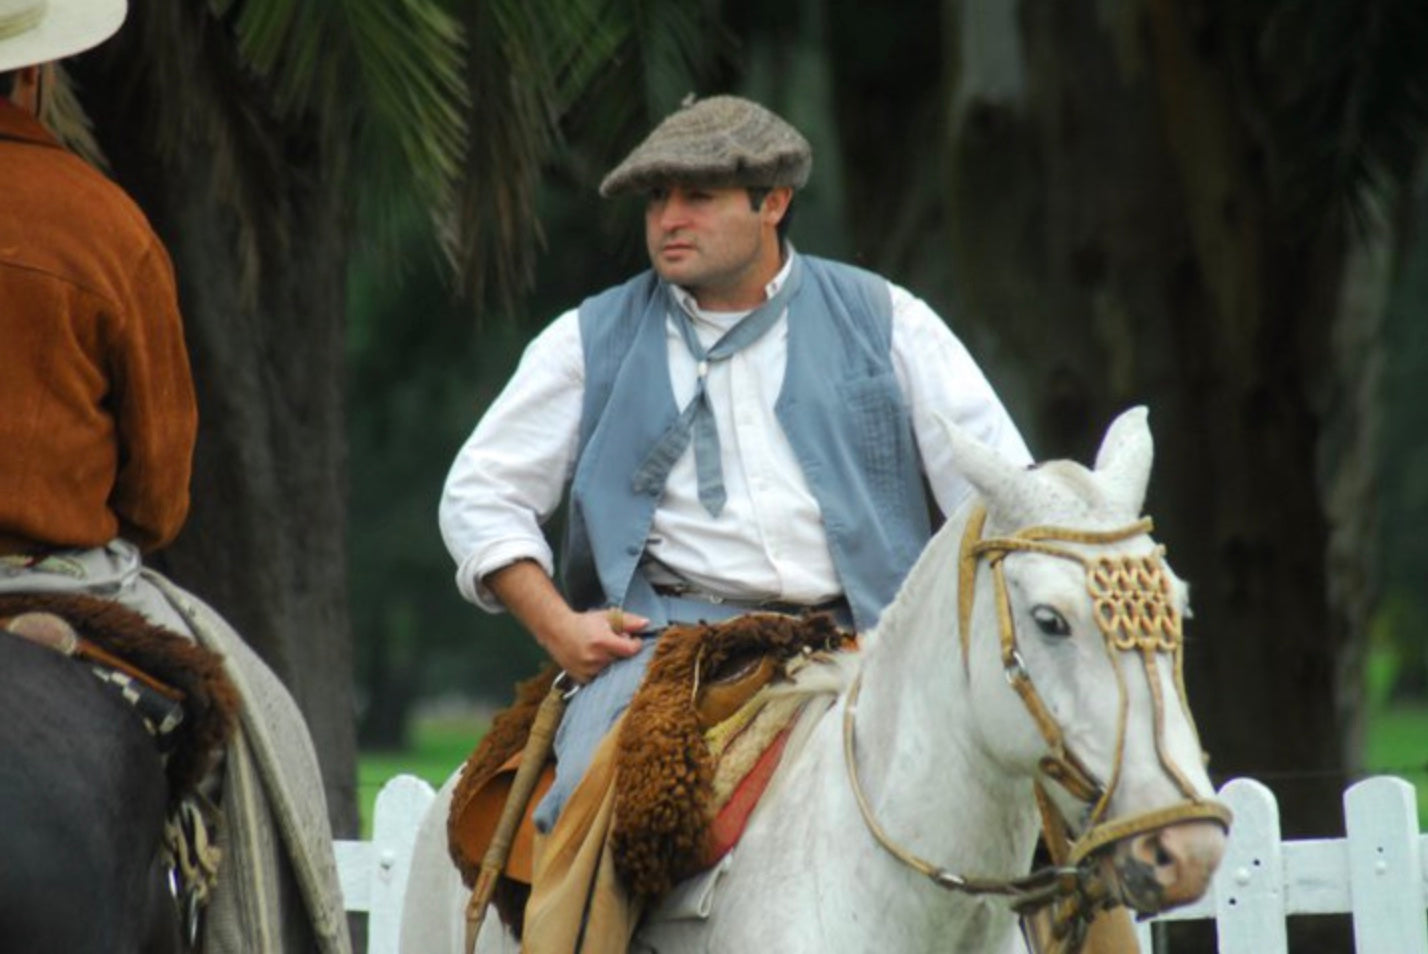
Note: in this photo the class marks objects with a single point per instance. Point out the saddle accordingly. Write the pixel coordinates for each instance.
(156, 670)
(695, 749)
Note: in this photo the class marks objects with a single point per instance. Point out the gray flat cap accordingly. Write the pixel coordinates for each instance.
(719, 141)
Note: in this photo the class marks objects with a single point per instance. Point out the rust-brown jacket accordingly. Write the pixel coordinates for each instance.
(97, 411)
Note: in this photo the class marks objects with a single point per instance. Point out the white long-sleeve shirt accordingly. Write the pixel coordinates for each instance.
(768, 542)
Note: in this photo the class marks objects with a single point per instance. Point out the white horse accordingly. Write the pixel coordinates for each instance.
(1034, 646)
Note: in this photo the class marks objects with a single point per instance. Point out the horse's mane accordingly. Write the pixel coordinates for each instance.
(928, 563)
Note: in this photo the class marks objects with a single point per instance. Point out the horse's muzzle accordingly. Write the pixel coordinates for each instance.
(1167, 867)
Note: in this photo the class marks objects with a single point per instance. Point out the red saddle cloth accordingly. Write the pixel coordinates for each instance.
(728, 824)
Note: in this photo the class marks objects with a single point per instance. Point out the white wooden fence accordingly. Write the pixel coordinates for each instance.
(374, 873)
(1378, 873)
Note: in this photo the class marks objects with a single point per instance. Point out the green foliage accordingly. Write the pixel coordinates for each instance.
(418, 382)
(1333, 93)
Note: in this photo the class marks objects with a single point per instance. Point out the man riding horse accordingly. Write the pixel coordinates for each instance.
(99, 421)
(742, 428)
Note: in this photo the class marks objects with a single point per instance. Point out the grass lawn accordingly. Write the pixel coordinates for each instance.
(1398, 745)
(439, 746)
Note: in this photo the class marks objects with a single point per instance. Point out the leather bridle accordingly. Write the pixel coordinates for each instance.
(1134, 608)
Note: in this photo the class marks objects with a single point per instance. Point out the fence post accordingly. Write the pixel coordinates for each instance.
(396, 816)
(1145, 937)
(1385, 870)
(1249, 885)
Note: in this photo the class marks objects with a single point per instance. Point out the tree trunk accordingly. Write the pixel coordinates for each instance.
(264, 543)
(1112, 221)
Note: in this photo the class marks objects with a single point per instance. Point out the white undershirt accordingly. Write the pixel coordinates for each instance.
(768, 542)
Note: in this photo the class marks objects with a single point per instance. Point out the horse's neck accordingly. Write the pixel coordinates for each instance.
(930, 785)
(923, 762)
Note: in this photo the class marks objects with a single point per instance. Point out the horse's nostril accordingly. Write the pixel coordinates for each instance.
(1150, 851)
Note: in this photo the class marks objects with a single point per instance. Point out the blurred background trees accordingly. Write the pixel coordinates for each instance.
(1215, 208)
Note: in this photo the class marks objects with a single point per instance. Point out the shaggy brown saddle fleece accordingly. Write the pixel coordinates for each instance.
(665, 798)
(210, 701)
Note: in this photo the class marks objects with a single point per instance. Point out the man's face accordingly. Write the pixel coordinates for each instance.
(713, 243)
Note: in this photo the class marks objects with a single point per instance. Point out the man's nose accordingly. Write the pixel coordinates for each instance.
(671, 213)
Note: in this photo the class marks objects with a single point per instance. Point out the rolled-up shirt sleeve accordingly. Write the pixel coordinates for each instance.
(940, 379)
(510, 474)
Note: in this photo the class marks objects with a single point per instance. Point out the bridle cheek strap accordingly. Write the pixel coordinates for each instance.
(1133, 608)
(1060, 764)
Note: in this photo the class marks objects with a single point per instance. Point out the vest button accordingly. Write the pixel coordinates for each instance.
(633, 549)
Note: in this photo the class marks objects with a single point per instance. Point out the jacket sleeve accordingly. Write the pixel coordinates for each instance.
(155, 411)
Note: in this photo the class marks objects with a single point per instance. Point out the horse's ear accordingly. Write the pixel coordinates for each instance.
(1004, 485)
(1123, 462)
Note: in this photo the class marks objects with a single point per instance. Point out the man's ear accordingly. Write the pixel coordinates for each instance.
(775, 205)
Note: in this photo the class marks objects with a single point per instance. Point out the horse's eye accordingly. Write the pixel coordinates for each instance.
(1050, 622)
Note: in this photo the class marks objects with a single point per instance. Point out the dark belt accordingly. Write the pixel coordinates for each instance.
(20, 548)
(692, 601)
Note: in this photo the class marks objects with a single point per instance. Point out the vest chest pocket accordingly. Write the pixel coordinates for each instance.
(878, 429)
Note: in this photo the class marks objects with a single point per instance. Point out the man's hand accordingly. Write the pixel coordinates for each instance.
(582, 644)
(585, 643)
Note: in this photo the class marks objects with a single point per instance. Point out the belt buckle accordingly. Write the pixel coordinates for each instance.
(689, 591)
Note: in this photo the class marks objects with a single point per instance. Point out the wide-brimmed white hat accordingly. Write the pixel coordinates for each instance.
(38, 31)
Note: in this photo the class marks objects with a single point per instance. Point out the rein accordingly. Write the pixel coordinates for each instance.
(1133, 608)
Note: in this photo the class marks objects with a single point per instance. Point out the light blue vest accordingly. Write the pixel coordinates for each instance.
(841, 408)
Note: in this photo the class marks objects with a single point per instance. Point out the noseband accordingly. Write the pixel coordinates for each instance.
(1134, 609)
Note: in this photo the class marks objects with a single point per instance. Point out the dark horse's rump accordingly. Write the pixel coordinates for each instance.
(82, 804)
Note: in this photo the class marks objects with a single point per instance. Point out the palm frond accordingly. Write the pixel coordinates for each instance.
(390, 70)
(537, 71)
(254, 83)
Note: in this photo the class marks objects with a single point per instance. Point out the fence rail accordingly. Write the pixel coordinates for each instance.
(1378, 872)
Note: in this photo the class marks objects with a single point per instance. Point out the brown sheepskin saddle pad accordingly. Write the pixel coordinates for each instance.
(694, 752)
(129, 651)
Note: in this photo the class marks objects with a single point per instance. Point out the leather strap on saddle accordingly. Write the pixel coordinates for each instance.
(55, 632)
(518, 800)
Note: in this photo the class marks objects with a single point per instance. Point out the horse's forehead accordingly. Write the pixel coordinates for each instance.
(1063, 493)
